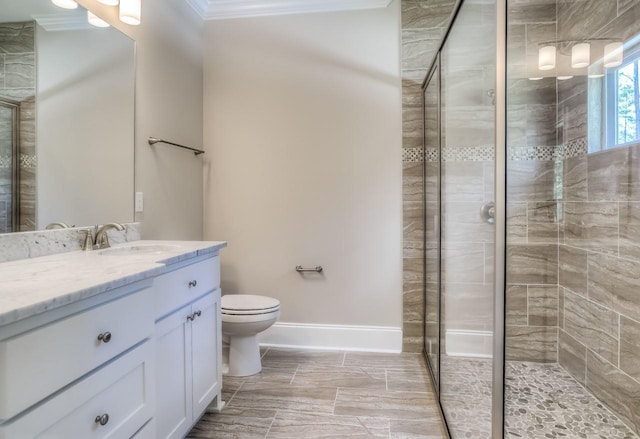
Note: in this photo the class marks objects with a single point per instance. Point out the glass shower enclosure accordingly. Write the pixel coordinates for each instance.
(532, 219)
(9, 165)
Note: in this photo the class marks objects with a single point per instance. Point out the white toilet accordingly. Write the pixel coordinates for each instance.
(243, 317)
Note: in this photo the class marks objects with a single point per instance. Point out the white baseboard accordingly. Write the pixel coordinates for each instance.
(334, 337)
(478, 344)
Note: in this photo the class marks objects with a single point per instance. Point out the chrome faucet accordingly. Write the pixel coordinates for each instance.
(88, 243)
(59, 224)
(102, 239)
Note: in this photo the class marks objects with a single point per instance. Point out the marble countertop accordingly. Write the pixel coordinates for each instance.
(33, 286)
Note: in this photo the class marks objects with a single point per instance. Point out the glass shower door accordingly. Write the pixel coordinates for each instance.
(8, 166)
(431, 97)
(573, 220)
(468, 78)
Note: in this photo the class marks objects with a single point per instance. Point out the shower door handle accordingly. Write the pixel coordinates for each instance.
(488, 212)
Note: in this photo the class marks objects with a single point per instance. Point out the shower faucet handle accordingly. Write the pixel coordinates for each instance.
(488, 212)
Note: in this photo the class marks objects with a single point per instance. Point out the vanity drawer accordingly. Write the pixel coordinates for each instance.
(175, 289)
(146, 432)
(120, 395)
(36, 364)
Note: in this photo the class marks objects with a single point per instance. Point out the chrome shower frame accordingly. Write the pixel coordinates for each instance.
(14, 106)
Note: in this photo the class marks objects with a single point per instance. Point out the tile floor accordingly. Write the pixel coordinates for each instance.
(313, 394)
(345, 395)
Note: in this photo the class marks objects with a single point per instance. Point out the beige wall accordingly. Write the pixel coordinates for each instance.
(169, 91)
(303, 164)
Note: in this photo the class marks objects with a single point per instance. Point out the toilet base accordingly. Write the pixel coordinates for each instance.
(244, 356)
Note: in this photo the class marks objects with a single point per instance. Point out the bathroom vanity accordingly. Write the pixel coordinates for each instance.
(121, 342)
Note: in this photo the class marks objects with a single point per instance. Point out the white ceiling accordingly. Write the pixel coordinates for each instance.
(223, 9)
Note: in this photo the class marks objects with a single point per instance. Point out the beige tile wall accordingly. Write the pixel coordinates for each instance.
(599, 257)
(423, 25)
(532, 220)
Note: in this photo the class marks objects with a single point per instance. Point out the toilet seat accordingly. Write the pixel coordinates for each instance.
(248, 304)
(251, 312)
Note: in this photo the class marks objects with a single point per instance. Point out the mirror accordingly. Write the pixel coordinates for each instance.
(66, 118)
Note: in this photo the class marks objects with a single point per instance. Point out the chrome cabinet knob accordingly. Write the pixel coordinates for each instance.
(105, 337)
(193, 283)
(102, 419)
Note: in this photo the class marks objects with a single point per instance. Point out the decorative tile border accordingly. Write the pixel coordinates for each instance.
(461, 154)
(431, 154)
(468, 154)
(573, 148)
(28, 161)
(412, 155)
(532, 153)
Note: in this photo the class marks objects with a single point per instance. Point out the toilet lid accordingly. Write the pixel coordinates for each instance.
(248, 304)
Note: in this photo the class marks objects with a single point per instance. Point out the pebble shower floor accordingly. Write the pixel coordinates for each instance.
(542, 401)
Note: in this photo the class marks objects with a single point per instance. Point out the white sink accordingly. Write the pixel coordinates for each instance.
(138, 249)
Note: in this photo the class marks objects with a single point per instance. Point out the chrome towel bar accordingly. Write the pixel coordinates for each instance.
(154, 140)
(301, 269)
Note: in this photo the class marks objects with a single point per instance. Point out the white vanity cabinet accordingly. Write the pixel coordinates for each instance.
(82, 371)
(188, 346)
(136, 356)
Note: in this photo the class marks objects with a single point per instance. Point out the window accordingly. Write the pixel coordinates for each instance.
(623, 103)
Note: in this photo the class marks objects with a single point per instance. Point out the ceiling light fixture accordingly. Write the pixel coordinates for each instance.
(66, 4)
(613, 54)
(96, 21)
(547, 58)
(580, 55)
(130, 11)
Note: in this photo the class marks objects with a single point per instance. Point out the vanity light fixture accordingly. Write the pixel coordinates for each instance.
(66, 4)
(109, 2)
(580, 55)
(571, 58)
(613, 54)
(130, 11)
(547, 58)
(94, 20)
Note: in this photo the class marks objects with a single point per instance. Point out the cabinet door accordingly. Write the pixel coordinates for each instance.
(121, 394)
(205, 351)
(173, 375)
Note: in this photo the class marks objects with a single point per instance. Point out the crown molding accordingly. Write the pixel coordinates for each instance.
(63, 21)
(226, 9)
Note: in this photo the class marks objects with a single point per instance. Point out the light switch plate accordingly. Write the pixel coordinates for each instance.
(139, 202)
